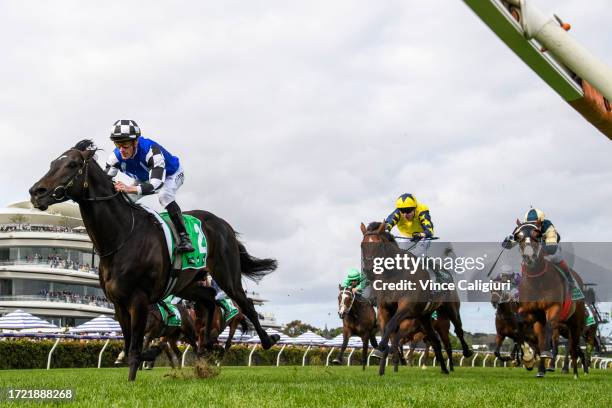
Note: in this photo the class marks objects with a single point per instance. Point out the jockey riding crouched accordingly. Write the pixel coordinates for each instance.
(230, 310)
(413, 220)
(550, 238)
(356, 281)
(153, 168)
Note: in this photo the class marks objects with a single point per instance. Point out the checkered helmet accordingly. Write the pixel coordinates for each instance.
(125, 130)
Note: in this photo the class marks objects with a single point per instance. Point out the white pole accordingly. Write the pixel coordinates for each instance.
(567, 50)
(329, 355)
(495, 362)
(184, 355)
(348, 362)
(51, 353)
(102, 352)
(304, 358)
(279, 355)
(421, 358)
(484, 362)
(370, 355)
(251, 354)
(474, 359)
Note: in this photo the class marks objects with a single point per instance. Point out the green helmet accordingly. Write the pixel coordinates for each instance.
(354, 273)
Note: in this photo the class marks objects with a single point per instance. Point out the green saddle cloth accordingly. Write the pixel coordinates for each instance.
(228, 309)
(197, 258)
(576, 292)
(173, 320)
(434, 315)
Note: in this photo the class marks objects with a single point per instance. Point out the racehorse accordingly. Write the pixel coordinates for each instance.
(168, 335)
(508, 323)
(219, 324)
(409, 335)
(358, 319)
(135, 266)
(545, 299)
(417, 304)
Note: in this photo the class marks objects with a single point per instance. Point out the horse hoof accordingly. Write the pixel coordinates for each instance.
(336, 362)
(529, 368)
(377, 354)
(564, 371)
(552, 370)
(540, 374)
(468, 353)
(274, 338)
(445, 372)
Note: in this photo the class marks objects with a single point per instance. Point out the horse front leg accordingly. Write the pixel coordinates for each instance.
(138, 317)
(539, 330)
(364, 351)
(345, 339)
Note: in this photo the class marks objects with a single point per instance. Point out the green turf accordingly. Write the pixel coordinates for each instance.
(320, 387)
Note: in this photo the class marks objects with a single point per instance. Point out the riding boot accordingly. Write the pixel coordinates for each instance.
(573, 285)
(184, 244)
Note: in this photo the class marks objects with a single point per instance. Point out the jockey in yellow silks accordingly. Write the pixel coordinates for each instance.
(413, 220)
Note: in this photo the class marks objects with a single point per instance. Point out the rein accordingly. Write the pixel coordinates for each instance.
(84, 171)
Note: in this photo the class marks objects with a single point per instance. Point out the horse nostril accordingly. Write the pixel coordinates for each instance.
(40, 191)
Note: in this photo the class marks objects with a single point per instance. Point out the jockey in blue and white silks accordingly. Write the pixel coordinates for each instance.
(154, 170)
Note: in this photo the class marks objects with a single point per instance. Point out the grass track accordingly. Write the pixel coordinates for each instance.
(319, 387)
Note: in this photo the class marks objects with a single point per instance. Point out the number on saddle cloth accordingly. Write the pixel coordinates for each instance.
(197, 258)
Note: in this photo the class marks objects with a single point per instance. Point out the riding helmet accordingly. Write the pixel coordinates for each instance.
(125, 130)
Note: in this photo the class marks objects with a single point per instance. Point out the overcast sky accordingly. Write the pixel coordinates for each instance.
(296, 121)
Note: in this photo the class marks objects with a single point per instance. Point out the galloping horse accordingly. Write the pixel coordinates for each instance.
(219, 324)
(358, 318)
(545, 299)
(168, 335)
(508, 323)
(418, 304)
(135, 266)
(412, 336)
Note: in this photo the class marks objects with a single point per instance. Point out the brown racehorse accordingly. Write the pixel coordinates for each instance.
(135, 268)
(508, 323)
(545, 298)
(418, 304)
(218, 326)
(409, 335)
(168, 335)
(358, 319)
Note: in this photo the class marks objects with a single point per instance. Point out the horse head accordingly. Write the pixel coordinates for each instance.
(500, 296)
(346, 297)
(373, 243)
(529, 237)
(67, 178)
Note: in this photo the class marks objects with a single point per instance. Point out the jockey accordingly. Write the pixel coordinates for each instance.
(154, 170)
(224, 301)
(356, 280)
(550, 237)
(413, 220)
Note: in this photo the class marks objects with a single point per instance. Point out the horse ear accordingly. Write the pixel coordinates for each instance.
(518, 222)
(363, 229)
(340, 286)
(381, 229)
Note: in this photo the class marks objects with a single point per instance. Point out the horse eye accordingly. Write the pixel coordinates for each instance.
(73, 164)
(535, 234)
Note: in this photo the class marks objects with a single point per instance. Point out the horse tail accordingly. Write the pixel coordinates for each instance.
(255, 268)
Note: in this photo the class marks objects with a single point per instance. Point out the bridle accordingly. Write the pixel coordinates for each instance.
(527, 239)
(352, 295)
(84, 171)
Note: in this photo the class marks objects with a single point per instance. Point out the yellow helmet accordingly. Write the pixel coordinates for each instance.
(406, 201)
(534, 215)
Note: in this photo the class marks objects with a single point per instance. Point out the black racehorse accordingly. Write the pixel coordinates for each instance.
(135, 267)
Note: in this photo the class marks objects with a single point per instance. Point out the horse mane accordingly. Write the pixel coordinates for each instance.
(373, 226)
(84, 145)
